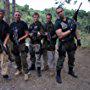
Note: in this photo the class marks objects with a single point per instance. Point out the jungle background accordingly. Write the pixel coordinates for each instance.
(46, 82)
(83, 16)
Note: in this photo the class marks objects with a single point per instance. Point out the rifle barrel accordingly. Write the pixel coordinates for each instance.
(80, 5)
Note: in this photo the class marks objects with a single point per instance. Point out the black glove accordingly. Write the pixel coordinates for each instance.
(78, 42)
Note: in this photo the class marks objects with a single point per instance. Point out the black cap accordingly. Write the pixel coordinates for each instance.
(2, 10)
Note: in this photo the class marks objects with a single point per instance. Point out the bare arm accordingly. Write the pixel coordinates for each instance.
(6, 39)
(61, 34)
(23, 37)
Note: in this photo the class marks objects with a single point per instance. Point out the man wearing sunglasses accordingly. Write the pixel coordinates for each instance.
(18, 34)
(65, 30)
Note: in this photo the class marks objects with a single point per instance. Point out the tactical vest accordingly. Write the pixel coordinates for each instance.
(50, 41)
(66, 25)
(35, 28)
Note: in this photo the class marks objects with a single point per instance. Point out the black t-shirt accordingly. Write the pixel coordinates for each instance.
(65, 26)
(35, 28)
(19, 28)
(4, 30)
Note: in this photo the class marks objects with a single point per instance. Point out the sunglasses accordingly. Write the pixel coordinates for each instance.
(17, 14)
(59, 12)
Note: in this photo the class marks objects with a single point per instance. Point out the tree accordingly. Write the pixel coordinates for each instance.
(13, 9)
(7, 10)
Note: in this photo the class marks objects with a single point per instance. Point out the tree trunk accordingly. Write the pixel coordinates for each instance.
(13, 9)
(7, 11)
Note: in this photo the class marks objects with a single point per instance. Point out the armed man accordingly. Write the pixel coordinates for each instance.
(4, 37)
(66, 32)
(36, 31)
(18, 34)
(50, 42)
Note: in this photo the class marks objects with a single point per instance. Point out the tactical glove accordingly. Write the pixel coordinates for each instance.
(78, 42)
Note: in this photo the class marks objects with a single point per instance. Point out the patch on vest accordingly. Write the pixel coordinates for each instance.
(64, 25)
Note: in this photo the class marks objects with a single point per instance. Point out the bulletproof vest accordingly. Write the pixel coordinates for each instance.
(50, 41)
(49, 26)
(35, 28)
(66, 25)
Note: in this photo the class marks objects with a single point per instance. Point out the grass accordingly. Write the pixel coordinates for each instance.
(85, 39)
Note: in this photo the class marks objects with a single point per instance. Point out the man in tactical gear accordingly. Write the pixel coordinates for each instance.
(18, 34)
(36, 31)
(66, 32)
(50, 41)
(4, 37)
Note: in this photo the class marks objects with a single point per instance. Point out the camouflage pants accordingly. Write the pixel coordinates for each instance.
(36, 54)
(20, 57)
(64, 48)
(32, 54)
(4, 63)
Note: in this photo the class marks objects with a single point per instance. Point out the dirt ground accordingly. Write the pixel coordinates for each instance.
(82, 68)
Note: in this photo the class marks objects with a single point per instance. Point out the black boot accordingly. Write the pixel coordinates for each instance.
(32, 67)
(71, 72)
(39, 71)
(6, 77)
(58, 77)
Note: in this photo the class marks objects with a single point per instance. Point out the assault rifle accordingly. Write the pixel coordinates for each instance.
(6, 51)
(73, 21)
(76, 13)
(15, 37)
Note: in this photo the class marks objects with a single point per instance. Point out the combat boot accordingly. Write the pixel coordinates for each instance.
(71, 72)
(6, 77)
(18, 73)
(39, 71)
(58, 77)
(26, 77)
(32, 67)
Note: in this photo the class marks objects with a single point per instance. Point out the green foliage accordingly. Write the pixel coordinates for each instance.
(85, 39)
(1, 5)
(83, 17)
